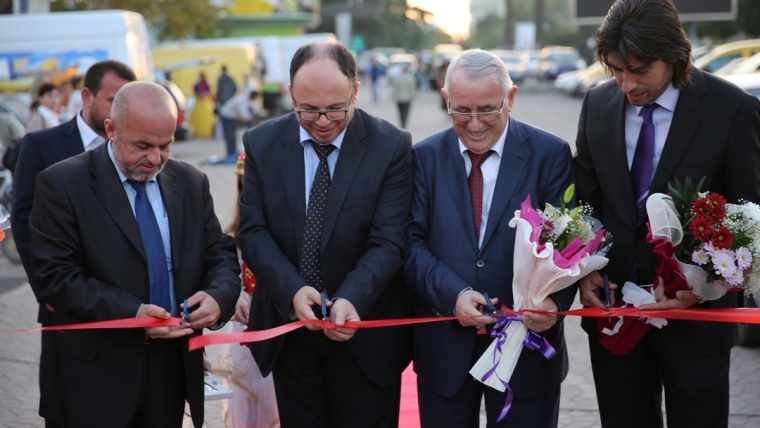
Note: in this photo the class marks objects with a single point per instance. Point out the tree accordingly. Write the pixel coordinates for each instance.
(397, 25)
(167, 19)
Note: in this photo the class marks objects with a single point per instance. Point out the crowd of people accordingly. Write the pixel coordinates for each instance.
(341, 218)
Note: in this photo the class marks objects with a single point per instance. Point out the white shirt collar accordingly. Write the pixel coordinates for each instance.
(337, 142)
(498, 147)
(667, 100)
(85, 132)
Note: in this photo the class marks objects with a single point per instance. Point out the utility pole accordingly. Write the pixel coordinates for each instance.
(509, 32)
(539, 16)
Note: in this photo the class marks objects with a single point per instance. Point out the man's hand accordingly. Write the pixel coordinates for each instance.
(684, 299)
(168, 332)
(342, 311)
(540, 322)
(592, 291)
(242, 309)
(207, 314)
(304, 299)
(467, 304)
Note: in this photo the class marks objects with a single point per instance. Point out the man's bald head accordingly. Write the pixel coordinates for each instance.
(141, 129)
(140, 100)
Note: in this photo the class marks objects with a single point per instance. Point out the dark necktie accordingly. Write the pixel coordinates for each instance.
(308, 263)
(154, 247)
(476, 188)
(643, 159)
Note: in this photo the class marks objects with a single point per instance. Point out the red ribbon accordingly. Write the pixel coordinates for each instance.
(141, 322)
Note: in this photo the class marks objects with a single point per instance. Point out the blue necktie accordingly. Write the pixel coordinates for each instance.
(154, 247)
(643, 159)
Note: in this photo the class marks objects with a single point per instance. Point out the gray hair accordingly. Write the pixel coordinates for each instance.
(477, 63)
(154, 96)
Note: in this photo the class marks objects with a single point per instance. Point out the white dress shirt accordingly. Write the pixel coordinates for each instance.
(90, 139)
(662, 117)
(490, 169)
(157, 203)
(311, 160)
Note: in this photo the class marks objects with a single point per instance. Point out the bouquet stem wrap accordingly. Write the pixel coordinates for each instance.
(539, 270)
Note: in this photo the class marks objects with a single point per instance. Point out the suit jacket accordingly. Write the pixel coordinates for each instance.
(362, 245)
(715, 133)
(443, 257)
(39, 150)
(90, 262)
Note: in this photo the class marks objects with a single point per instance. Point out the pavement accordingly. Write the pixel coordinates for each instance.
(536, 104)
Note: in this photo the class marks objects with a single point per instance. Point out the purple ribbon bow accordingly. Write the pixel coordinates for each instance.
(533, 341)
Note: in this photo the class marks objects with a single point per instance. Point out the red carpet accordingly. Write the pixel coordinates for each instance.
(409, 416)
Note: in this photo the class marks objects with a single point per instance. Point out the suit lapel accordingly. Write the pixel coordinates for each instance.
(616, 171)
(349, 158)
(110, 191)
(516, 153)
(72, 141)
(171, 193)
(292, 169)
(456, 178)
(688, 113)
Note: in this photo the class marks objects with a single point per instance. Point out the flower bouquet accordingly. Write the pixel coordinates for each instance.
(704, 244)
(554, 248)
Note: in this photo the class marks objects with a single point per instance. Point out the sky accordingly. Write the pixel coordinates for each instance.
(453, 16)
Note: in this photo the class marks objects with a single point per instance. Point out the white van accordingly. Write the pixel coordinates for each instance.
(63, 44)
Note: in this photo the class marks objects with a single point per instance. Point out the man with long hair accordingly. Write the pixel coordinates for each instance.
(658, 120)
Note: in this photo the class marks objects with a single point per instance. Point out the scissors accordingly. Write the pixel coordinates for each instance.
(606, 292)
(489, 309)
(324, 305)
(185, 312)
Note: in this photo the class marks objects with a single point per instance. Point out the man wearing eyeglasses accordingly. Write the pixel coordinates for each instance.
(323, 216)
(469, 180)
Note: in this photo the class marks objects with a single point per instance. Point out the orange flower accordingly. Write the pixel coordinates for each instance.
(2, 235)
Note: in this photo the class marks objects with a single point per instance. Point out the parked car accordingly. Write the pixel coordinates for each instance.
(529, 63)
(511, 60)
(397, 62)
(556, 60)
(723, 54)
(579, 82)
(742, 66)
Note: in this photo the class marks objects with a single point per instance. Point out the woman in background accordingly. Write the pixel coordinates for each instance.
(202, 117)
(46, 114)
(254, 403)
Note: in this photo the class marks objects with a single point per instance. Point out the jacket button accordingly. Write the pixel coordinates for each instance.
(137, 352)
(144, 263)
(480, 263)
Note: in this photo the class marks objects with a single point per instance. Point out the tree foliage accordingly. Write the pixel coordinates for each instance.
(397, 25)
(167, 19)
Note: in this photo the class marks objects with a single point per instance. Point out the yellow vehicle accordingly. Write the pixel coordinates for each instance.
(240, 62)
(723, 54)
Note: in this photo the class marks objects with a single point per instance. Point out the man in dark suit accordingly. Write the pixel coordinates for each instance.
(119, 232)
(661, 119)
(461, 245)
(324, 208)
(42, 149)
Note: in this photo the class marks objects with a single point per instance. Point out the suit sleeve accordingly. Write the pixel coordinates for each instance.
(273, 268)
(430, 279)
(29, 164)
(742, 168)
(588, 188)
(58, 260)
(222, 270)
(384, 254)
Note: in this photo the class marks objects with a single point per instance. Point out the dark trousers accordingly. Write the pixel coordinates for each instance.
(319, 384)
(629, 387)
(403, 111)
(163, 390)
(463, 409)
(230, 131)
(47, 350)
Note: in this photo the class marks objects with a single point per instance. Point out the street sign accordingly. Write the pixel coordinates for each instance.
(592, 12)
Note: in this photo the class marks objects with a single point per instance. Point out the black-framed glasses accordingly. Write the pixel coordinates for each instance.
(485, 116)
(314, 115)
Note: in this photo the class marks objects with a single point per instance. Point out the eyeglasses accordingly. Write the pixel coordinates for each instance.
(314, 115)
(486, 116)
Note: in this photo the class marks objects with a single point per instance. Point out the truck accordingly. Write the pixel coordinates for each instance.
(61, 45)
